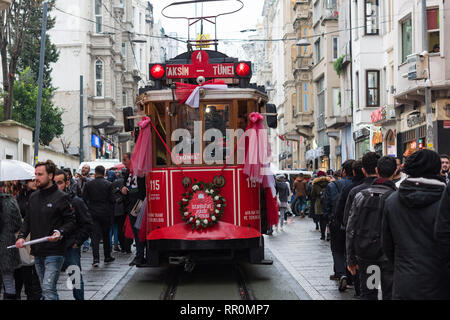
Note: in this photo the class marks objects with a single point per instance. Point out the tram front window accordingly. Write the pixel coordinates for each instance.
(187, 135)
(217, 121)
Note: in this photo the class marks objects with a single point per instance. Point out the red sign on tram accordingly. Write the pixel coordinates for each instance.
(200, 67)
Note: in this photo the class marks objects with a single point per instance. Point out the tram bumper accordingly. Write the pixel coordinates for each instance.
(223, 237)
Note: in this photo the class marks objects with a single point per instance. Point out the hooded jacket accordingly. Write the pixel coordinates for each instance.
(300, 187)
(408, 223)
(442, 227)
(319, 185)
(10, 222)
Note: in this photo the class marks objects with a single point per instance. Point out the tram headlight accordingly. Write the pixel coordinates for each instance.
(243, 70)
(157, 71)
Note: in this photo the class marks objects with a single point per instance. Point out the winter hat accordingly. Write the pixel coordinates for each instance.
(423, 163)
(321, 174)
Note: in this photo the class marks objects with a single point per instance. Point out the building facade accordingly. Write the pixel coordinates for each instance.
(109, 44)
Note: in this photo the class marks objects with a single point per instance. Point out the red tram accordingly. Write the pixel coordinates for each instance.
(200, 208)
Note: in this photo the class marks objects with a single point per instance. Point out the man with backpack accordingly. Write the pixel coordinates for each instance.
(363, 234)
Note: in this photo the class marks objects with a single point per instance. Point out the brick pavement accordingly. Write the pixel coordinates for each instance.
(298, 248)
(307, 258)
(100, 281)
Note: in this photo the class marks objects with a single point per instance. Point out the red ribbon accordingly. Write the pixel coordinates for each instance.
(184, 90)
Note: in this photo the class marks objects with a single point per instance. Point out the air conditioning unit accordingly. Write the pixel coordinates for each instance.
(417, 66)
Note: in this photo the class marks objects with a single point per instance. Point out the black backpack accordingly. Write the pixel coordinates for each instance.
(368, 227)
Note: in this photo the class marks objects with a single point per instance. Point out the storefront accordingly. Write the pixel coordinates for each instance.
(100, 148)
(318, 159)
(384, 132)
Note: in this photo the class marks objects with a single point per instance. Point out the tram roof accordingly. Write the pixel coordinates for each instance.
(231, 93)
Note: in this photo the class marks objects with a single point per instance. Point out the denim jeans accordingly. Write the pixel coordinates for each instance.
(114, 232)
(86, 244)
(301, 204)
(140, 246)
(48, 270)
(73, 260)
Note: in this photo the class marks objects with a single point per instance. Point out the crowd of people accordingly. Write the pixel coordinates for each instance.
(75, 214)
(388, 223)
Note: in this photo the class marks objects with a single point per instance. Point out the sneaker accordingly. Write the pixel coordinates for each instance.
(95, 264)
(137, 261)
(343, 284)
(110, 259)
(116, 248)
(85, 249)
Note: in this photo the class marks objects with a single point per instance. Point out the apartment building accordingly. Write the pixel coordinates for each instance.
(325, 84)
(109, 43)
(411, 85)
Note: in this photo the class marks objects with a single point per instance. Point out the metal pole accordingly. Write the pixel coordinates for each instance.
(41, 76)
(81, 120)
(429, 114)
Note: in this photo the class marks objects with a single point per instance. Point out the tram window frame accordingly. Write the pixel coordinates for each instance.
(155, 139)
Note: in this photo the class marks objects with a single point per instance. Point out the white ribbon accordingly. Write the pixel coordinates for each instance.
(194, 98)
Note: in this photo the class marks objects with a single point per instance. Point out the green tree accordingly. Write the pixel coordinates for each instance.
(20, 36)
(30, 53)
(24, 107)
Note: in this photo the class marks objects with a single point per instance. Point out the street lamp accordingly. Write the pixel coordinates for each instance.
(303, 43)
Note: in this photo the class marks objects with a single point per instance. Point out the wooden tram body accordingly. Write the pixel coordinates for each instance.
(238, 232)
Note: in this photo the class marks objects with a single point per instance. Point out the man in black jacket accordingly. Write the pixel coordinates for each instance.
(339, 243)
(76, 238)
(409, 220)
(49, 214)
(133, 190)
(98, 196)
(364, 249)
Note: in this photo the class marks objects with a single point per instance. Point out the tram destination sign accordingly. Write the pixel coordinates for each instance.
(200, 66)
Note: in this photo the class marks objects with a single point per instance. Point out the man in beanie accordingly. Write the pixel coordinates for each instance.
(409, 219)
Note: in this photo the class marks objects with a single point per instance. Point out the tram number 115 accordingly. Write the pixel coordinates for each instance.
(154, 185)
(251, 184)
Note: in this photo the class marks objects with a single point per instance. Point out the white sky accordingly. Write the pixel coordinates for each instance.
(228, 26)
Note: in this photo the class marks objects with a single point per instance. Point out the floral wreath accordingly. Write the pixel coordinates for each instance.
(215, 213)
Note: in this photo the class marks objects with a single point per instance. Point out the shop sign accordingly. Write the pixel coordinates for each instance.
(446, 124)
(415, 118)
(377, 138)
(378, 115)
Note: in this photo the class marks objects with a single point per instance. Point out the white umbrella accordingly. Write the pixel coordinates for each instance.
(15, 170)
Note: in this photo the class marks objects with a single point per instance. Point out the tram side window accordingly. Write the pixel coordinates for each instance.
(242, 115)
(217, 120)
(186, 135)
(161, 152)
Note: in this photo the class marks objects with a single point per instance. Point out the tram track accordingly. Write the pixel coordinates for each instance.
(178, 281)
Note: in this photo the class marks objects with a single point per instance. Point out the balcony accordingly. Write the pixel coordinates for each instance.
(302, 12)
(411, 92)
(304, 124)
(339, 119)
(302, 66)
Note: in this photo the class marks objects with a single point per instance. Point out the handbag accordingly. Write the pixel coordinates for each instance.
(137, 208)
